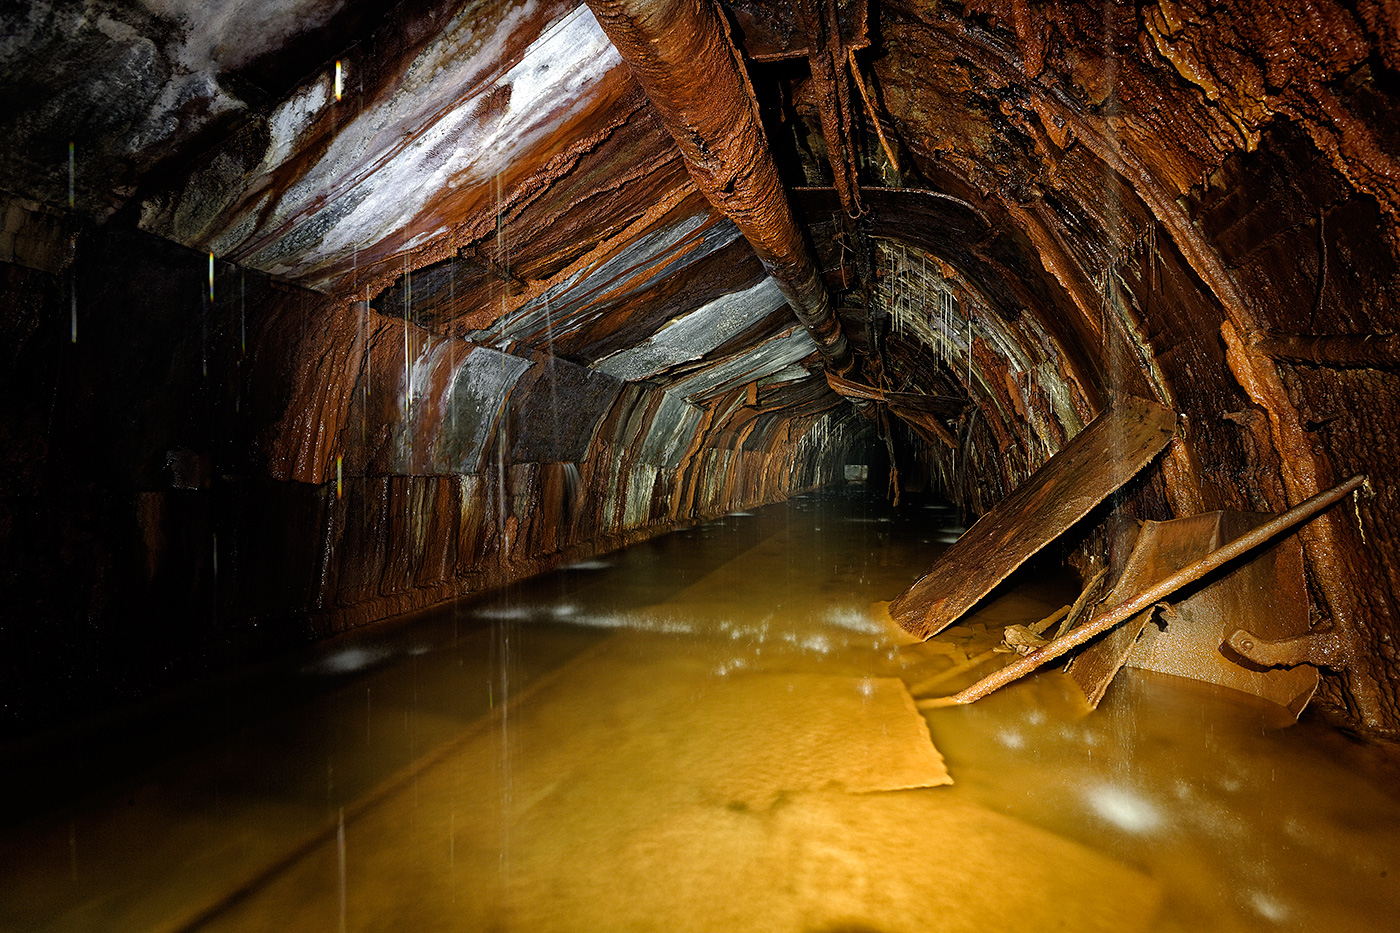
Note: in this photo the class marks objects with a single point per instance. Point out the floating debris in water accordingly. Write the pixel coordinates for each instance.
(1268, 907)
(853, 619)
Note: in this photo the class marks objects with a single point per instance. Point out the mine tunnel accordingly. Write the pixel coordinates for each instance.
(878, 465)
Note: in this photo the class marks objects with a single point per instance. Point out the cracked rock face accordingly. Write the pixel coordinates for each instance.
(432, 281)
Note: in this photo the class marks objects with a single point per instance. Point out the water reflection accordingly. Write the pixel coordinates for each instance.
(708, 731)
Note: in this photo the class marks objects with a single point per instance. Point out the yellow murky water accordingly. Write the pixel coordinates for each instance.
(712, 732)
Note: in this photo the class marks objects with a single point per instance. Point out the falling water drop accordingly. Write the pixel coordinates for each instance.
(340, 861)
(71, 175)
(452, 345)
(339, 84)
(407, 367)
(969, 354)
(369, 368)
(242, 312)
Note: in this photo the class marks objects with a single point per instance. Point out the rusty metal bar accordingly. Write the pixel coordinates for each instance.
(871, 111)
(1377, 351)
(1149, 597)
(680, 53)
(827, 59)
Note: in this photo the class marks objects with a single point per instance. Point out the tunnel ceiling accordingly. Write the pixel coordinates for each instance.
(1015, 210)
(493, 172)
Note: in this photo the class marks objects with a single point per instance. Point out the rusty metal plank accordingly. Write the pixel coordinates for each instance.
(1161, 550)
(1104, 456)
(1267, 596)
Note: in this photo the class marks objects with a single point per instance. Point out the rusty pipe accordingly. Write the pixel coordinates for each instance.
(680, 53)
(1377, 351)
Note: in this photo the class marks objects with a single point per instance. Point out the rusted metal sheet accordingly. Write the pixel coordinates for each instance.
(613, 275)
(694, 334)
(765, 359)
(1267, 596)
(680, 53)
(345, 183)
(1109, 452)
(1162, 549)
(451, 403)
(1108, 619)
(670, 432)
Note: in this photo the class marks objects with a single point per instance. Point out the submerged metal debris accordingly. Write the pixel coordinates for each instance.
(1146, 599)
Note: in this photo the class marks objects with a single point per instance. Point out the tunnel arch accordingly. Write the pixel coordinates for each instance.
(470, 212)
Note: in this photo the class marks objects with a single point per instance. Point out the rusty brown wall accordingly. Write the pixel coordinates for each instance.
(1190, 182)
(196, 483)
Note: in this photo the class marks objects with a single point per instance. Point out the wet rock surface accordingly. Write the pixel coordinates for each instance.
(315, 316)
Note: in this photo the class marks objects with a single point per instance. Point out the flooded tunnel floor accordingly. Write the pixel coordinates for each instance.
(711, 731)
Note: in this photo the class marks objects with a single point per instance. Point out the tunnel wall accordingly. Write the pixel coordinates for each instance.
(194, 482)
(1201, 191)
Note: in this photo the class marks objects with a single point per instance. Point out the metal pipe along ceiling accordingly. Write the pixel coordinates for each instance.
(680, 53)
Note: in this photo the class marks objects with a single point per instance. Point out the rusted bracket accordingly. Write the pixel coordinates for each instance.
(871, 111)
(1322, 647)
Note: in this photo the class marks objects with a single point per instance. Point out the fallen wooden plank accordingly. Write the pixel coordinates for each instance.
(1107, 620)
(1104, 456)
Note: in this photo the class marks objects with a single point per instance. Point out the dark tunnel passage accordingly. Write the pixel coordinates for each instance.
(329, 327)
